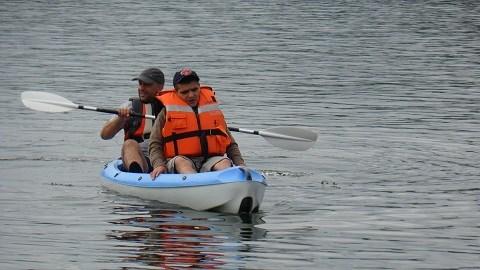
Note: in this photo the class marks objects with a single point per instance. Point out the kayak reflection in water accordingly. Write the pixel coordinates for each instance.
(190, 134)
(137, 130)
(162, 238)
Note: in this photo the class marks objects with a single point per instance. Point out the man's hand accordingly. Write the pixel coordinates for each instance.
(124, 113)
(157, 171)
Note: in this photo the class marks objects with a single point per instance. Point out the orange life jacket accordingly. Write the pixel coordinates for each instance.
(138, 128)
(190, 133)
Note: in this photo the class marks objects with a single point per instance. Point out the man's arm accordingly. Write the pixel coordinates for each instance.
(117, 123)
(155, 147)
(233, 152)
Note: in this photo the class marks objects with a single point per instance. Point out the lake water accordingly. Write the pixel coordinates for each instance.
(391, 87)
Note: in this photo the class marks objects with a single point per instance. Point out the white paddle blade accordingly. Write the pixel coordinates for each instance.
(290, 138)
(46, 102)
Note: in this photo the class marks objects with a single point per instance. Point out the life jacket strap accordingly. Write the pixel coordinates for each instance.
(196, 133)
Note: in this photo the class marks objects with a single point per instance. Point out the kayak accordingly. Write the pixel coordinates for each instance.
(233, 190)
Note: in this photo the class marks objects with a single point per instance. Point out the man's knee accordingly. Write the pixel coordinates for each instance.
(183, 165)
(130, 144)
(181, 161)
(222, 164)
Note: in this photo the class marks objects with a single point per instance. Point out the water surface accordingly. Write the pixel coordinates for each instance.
(392, 89)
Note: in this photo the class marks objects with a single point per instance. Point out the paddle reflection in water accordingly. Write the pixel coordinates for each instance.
(173, 239)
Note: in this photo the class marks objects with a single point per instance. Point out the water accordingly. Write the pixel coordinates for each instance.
(392, 88)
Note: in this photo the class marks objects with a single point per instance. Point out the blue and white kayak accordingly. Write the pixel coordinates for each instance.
(233, 190)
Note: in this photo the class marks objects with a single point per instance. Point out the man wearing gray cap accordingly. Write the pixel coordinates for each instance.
(137, 130)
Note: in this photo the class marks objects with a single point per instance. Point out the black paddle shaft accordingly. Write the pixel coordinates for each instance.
(135, 114)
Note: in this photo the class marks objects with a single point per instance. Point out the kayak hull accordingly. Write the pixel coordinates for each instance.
(233, 190)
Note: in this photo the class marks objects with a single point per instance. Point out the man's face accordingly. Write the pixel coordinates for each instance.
(189, 92)
(147, 92)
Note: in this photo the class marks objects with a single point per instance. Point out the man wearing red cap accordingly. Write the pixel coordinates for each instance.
(190, 134)
(137, 130)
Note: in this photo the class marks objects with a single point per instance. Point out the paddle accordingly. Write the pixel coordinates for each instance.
(290, 138)
(48, 102)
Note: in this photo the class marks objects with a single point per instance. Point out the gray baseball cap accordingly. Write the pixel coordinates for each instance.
(151, 75)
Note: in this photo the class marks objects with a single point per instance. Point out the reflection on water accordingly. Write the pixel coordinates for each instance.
(172, 239)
